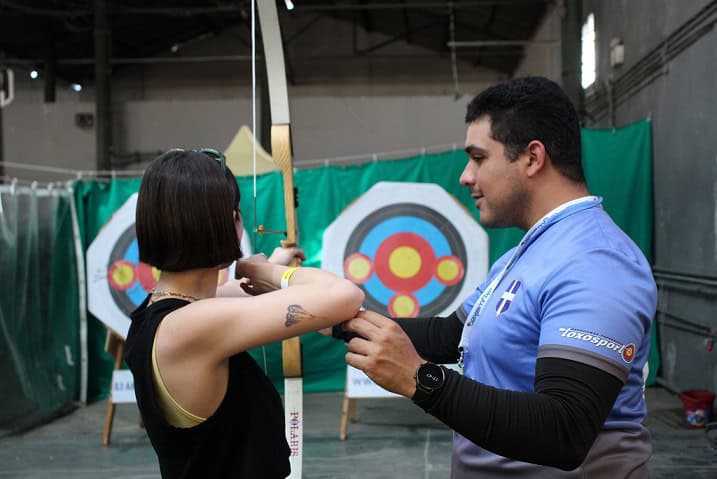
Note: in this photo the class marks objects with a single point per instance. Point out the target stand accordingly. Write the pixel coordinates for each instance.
(413, 250)
(358, 386)
(114, 345)
(348, 413)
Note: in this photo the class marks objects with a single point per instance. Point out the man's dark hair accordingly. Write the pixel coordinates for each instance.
(532, 108)
(184, 212)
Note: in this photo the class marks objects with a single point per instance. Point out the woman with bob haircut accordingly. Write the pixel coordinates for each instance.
(208, 408)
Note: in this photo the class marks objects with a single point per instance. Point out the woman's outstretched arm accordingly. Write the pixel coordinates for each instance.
(222, 327)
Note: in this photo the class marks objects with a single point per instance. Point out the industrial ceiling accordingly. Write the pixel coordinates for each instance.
(62, 34)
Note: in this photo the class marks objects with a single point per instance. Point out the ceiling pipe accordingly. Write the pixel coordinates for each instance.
(103, 73)
(571, 29)
(49, 77)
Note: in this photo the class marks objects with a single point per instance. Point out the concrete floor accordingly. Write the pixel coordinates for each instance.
(391, 439)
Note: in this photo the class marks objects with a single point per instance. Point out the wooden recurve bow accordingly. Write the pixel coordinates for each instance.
(281, 154)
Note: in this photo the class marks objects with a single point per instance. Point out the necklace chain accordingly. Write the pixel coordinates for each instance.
(160, 292)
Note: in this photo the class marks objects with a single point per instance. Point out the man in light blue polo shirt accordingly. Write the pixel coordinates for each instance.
(554, 342)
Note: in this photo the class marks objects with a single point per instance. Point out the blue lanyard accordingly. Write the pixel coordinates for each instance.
(557, 214)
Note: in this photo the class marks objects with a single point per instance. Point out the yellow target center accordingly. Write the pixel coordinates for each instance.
(359, 268)
(123, 275)
(404, 262)
(404, 306)
(447, 270)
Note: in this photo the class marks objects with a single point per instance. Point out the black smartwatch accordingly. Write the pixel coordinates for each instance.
(430, 378)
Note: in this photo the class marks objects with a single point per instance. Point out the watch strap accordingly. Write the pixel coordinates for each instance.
(420, 396)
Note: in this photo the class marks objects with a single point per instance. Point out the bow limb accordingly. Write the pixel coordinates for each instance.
(281, 155)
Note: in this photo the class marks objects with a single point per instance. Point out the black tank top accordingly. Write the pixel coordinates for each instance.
(244, 438)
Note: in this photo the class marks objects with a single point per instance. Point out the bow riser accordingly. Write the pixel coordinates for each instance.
(281, 154)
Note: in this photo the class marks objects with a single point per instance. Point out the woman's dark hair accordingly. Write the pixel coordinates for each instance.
(185, 209)
(533, 108)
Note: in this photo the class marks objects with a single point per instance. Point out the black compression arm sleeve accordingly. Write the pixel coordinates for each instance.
(435, 339)
(554, 426)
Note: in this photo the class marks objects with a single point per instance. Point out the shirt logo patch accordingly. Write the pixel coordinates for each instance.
(507, 298)
(626, 351)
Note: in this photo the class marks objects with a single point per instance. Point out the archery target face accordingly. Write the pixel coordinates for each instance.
(117, 281)
(411, 247)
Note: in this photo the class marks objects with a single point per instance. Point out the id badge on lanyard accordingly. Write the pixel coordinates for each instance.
(562, 211)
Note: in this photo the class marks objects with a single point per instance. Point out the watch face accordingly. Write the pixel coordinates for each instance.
(431, 376)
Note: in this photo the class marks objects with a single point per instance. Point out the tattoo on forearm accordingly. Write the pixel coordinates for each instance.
(295, 314)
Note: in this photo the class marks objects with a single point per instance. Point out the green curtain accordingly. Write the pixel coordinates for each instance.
(39, 307)
(96, 201)
(618, 167)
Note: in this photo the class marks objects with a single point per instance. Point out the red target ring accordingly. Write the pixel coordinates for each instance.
(358, 268)
(405, 262)
(148, 276)
(449, 270)
(121, 275)
(403, 305)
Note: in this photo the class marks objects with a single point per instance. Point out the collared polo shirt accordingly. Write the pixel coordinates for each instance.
(583, 291)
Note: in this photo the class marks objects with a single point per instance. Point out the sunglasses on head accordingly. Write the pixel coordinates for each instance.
(210, 152)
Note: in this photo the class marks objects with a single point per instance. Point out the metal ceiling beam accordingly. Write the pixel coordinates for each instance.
(241, 8)
(181, 11)
(407, 25)
(296, 34)
(134, 61)
(50, 76)
(45, 12)
(241, 58)
(486, 31)
(124, 10)
(463, 26)
(396, 38)
(571, 30)
(316, 7)
(501, 43)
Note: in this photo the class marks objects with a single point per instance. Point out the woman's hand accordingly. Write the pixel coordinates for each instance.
(283, 256)
(248, 272)
(232, 289)
(248, 269)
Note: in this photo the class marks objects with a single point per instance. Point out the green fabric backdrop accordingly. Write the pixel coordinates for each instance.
(39, 307)
(618, 166)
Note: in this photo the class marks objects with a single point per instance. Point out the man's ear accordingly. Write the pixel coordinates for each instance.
(537, 158)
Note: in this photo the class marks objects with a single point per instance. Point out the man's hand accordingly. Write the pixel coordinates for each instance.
(386, 355)
(283, 256)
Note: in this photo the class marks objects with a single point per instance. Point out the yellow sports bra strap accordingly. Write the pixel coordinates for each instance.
(173, 412)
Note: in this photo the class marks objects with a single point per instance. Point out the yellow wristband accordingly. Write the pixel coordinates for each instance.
(285, 277)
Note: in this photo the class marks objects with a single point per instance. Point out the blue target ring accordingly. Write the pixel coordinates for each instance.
(127, 249)
(390, 224)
